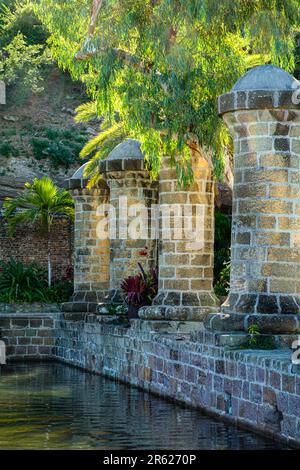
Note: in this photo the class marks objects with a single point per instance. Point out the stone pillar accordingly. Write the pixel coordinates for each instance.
(131, 195)
(262, 112)
(185, 264)
(91, 253)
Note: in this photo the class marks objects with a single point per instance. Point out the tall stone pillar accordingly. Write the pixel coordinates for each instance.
(262, 112)
(131, 195)
(91, 253)
(186, 246)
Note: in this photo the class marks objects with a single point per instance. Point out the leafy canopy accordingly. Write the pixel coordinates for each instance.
(156, 67)
(23, 50)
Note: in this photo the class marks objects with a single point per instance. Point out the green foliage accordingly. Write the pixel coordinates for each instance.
(23, 51)
(256, 340)
(222, 253)
(160, 65)
(17, 16)
(28, 283)
(23, 63)
(221, 286)
(6, 149)
(99, 147)
(113, 309)
(59, 292)
(61, 147)
(87, 112)
(152, 68)
(39, 203)
(253, 331)
(20, 283)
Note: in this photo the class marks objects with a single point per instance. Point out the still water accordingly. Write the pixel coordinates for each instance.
(53, 406)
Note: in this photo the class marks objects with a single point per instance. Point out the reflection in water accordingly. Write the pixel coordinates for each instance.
(53, 406)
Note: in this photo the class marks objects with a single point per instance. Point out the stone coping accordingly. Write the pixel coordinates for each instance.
(27, 308)
(130, 164)
(81, 183)
(258, 99)
(32, 315)
(282, 323)
(75, 183)
(194, 342)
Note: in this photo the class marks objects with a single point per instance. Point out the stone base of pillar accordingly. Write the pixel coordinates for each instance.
(114, 297)
(240, 340)
(262, 304)
(180, 306)
(267, 323)
(169, 327)
(84, 301)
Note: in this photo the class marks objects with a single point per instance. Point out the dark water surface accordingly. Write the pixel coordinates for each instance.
(53, 406)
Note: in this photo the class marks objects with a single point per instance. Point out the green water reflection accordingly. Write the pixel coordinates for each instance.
(53, 406)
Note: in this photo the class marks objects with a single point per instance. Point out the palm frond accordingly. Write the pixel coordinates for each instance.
(87, 112)
(105, 141)
(99, 148)
(39, 202)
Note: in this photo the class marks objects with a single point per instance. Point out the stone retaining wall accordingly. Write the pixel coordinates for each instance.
(256, 389)
(28, 336)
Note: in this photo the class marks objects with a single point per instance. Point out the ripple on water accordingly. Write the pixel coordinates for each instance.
(53, 406)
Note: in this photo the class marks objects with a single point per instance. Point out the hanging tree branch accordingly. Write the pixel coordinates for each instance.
(89, 50)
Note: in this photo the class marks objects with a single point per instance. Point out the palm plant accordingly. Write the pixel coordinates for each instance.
(99, 147)
(38, 204)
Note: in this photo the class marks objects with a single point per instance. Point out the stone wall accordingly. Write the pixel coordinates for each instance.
(256, 389)
(28, 245)
(28, 336)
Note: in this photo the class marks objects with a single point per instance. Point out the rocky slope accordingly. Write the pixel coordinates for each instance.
(38, 135)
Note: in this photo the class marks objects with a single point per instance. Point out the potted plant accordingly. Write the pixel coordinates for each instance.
(140, 290)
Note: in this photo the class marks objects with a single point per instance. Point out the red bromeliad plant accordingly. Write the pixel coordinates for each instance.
(140, 289)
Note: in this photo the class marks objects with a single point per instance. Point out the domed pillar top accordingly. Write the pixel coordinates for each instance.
(127, 156)
(262, 112)
(263, 87)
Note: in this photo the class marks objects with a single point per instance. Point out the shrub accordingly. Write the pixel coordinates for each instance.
(62, 147)
(6, 149)
(222, 253)
(59, 292)
(222, 285)
(141, 289)
(20, 283)
(28, 283)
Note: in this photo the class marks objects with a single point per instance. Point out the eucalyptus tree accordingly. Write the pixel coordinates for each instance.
(154, 68)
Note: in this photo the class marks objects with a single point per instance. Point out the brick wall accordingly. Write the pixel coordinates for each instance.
(29, 245)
